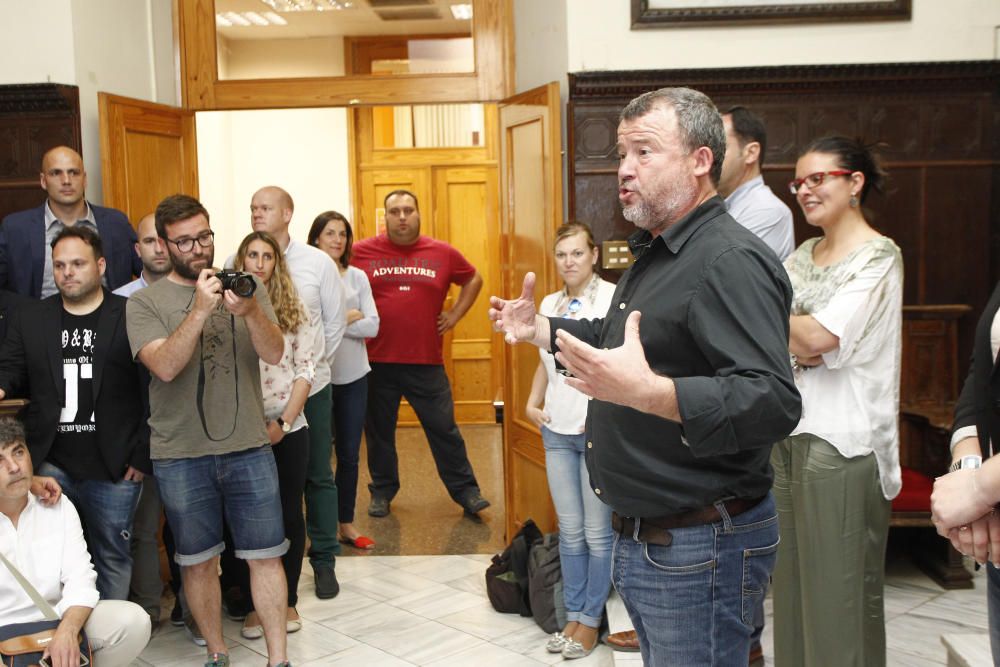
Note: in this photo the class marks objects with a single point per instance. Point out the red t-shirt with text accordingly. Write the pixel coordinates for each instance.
(410, 284)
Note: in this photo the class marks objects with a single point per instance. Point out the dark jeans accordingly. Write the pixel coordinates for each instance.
(291, 457)
(107, 509)
(349, 402)
(429, 394)
(993, 608)
(321, 489)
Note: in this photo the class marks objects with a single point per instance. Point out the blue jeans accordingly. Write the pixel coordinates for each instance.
(244, 485)
(584, 529)
(107, 509)
(694, 602)
(349, 403)
(993, 607)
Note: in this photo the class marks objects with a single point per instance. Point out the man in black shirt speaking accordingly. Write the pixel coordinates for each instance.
(687, 402)
(69, 354)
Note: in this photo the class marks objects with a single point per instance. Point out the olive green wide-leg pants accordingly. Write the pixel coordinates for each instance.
(827, 583)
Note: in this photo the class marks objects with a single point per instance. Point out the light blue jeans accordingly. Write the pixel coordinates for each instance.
(694, 602)
(584, 529)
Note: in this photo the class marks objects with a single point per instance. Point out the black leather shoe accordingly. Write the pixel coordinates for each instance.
(378, 507)
(326, 582)
(473, 502)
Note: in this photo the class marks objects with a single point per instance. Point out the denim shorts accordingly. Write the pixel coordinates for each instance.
(243, 485)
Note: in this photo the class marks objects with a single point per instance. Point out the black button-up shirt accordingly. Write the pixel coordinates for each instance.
(715, 302)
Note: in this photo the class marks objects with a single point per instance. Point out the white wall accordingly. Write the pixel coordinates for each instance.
(117, 46)
(278, 58)
(303, 151)
(600, 39)
(36, 42)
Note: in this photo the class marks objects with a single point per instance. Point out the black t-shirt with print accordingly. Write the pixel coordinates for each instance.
(75, 447)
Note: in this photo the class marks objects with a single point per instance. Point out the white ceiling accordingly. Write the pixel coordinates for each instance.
(358, 20)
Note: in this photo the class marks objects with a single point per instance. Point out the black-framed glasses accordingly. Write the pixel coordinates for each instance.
(815, 180)
(206, 240)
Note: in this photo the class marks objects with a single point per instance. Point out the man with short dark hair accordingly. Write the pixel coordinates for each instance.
(147, 587)
(410, 276)
(26, 236)
(69, 354)
(749, 200)
(685, 410)
(203, 345)
(44, 542)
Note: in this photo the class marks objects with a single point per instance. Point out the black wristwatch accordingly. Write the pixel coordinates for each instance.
(285, 426)
(970, 461)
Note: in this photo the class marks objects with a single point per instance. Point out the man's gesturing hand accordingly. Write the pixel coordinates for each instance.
(621, 375)
(516, 317)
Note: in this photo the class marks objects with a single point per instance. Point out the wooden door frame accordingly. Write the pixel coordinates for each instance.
(202, 90)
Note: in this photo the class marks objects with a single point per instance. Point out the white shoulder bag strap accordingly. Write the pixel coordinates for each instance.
(36, 597)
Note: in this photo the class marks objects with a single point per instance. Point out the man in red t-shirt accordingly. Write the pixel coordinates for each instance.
(410, 276)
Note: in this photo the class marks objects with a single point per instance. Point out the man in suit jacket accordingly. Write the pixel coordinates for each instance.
(9, 303)
(70, 355)
(26, 236)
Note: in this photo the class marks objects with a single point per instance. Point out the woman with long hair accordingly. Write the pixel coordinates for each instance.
(285, 388)
(835, 475)
(560, 412)
(331, 233)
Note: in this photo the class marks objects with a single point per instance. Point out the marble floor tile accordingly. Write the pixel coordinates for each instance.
(473, 583)
(314, 609)
(362, 654)
(433, 603)
(444, 569)
(389, 584)
(423, 643)
(312, 642)
(487, 655)
(483, 621)
(372, 620)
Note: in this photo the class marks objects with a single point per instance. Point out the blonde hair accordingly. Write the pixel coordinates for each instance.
(285, 300)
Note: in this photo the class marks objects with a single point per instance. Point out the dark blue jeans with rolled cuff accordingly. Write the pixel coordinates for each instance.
(694, 602)
(107, 509)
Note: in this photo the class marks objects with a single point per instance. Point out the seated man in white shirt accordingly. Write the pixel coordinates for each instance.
(45, 543)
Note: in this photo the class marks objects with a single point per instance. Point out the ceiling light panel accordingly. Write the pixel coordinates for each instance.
(307, 5)
(462, 12)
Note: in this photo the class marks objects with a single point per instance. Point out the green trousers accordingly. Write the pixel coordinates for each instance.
(321, 490)
(827, 583)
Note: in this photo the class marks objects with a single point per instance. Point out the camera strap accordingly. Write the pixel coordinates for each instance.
(201, 383)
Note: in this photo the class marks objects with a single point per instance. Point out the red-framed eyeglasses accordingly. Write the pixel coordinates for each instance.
(815, 180)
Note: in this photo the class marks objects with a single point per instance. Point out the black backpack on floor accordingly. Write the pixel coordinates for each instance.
(545, 585)
(507, 576)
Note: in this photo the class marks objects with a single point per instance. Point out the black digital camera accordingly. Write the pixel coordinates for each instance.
(237, 282)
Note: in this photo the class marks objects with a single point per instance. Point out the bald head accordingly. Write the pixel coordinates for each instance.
(271, 211)
(63, 178)
(152, 250)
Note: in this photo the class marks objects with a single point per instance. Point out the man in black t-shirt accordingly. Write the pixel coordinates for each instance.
(69, 354)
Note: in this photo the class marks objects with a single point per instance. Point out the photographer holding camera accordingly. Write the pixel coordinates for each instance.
(202, 342)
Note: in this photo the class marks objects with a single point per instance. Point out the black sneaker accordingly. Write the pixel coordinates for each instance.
(235, 604)
(378, 507)
(326, 582)
(194, 633)
(473, 502)
(177, 614)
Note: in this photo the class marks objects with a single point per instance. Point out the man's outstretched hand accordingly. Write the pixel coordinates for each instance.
(517, 318)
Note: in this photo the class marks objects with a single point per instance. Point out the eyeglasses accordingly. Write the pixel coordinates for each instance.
(206, 240)
(815, 180)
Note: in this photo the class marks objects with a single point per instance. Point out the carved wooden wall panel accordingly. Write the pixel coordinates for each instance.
(939, 122)
(33, 119)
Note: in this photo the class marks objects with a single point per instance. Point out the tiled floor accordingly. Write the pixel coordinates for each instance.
(432, 610)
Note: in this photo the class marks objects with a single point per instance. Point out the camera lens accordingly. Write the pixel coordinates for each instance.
(244, 285)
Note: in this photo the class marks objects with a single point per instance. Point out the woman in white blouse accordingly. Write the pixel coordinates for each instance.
(836, 474)
(285, 387)
(584, 521)
(331, 233)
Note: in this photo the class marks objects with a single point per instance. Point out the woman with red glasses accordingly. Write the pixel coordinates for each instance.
(835, 475)
(584, 521)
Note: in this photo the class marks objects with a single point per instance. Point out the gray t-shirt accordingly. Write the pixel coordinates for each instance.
(232, 404)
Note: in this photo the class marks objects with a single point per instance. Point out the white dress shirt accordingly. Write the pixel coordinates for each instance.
(48, 548)
(754, 206)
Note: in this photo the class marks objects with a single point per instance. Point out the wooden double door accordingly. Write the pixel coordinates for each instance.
(499, 204)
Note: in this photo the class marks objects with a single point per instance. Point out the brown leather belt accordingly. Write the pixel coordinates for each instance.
(656, 529)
